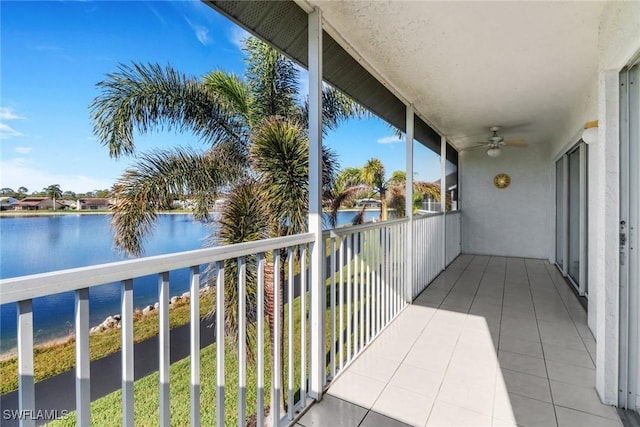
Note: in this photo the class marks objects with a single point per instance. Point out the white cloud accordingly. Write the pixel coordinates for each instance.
(19, 172)
(201, 32)
(23, 150)
(7, 132)
(7, 113)
(237, 36)
(391, 139)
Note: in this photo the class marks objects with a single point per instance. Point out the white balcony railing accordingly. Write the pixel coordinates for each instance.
(367, 288)
(453, 240)
(428, 250)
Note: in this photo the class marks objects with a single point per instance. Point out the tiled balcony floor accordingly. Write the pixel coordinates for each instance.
(493, 341)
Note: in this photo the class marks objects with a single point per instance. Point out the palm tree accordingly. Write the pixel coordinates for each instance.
(255, 130)
(53, 191)
(373, 176)
(367, 180)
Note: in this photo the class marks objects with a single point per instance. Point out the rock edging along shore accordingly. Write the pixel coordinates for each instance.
(114, 321)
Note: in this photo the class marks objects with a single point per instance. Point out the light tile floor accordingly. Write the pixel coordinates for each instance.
(493, 341)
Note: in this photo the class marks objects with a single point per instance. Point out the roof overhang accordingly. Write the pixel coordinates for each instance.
(464, 66)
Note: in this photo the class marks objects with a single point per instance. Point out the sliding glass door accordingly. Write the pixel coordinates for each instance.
(629, 333)
(573, 264)
(571, 216)
(561, 222)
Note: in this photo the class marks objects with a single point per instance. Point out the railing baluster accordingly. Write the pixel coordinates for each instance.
(378, 266)
(220, 379)
(385, 274)
(356, 295)
(83, 371)
(406, 267)
(164, 348)
(391, 267)
(290, 311)
(421, 247)
(368, 297)
(349, 258)
(26, 388)
(394, 257)
(340, 306)
(242, 342)
(423, 257)
(332, 305)
(363, 302)
(420, 261)
(277, 340)
(194, 346)
(303, 326)
(427, 255)
(260, 262)
(126, 320)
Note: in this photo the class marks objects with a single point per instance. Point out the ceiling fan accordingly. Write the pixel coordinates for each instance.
(495, 143)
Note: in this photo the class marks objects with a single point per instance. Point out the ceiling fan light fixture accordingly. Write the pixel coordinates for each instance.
(494, 152)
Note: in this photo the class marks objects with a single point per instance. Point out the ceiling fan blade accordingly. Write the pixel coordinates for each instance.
(474, 147)
(516, 143)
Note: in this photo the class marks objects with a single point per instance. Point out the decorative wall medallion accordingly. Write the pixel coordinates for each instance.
(502, 180)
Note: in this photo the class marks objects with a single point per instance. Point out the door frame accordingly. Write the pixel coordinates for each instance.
(580, 283)
(629, 299)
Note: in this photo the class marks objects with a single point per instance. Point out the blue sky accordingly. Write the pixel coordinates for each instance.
(53, 54)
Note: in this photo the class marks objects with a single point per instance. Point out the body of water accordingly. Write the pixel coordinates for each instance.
(40, 244)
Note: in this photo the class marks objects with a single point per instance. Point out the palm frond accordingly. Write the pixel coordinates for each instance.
(398, 177)
(272, 79)
(229, 89)
(279, 154)
(243, 215)
(159, 177)
(345, 196)
(348, 177)
(336, 108)
(373, 173)
(143, 98)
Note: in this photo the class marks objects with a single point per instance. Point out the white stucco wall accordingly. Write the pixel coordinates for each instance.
(514, 221)
(619, 42)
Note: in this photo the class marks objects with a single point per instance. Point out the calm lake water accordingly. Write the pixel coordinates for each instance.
(40, 244)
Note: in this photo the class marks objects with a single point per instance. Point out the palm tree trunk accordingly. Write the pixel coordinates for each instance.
(383, 206)
(269, 302)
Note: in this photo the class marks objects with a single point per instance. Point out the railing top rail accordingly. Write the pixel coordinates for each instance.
(427, 215)
(38, 285)
(342, 231)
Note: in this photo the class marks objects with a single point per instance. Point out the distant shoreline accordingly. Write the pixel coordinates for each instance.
(12, 213)
(76, 212)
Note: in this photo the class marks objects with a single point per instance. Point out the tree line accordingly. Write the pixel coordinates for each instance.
(52, 191)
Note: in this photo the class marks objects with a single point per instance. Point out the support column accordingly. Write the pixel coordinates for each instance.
(317, 308)
(408, 295)
(443, 197)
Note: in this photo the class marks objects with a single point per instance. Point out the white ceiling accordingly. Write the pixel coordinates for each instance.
(466, 66)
